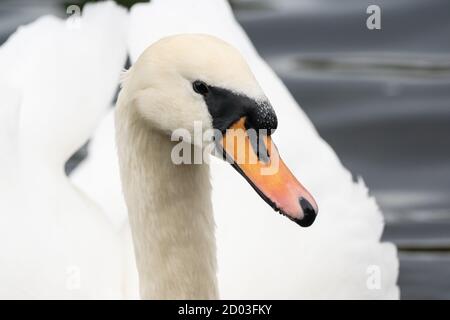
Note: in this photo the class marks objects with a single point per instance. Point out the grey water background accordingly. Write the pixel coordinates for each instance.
(381, 98)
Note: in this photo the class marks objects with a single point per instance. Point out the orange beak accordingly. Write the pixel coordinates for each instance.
(256, 158)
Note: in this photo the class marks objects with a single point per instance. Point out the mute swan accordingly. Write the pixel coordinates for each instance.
(261, 255)
(54, 241)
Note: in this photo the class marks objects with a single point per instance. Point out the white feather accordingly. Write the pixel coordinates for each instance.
(55, 241)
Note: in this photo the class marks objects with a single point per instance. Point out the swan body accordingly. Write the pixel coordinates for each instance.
(55, 242)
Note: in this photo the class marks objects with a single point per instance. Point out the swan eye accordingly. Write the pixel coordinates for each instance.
(200, 87)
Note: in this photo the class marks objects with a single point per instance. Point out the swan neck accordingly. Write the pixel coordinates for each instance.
(170, 214)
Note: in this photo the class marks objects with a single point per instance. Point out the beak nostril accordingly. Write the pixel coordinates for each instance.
(309, 214)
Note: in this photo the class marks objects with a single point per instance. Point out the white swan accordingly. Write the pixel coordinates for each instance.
(261, 255)
(55, 242)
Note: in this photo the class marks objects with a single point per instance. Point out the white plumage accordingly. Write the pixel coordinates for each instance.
(55, 242)
(260, 254)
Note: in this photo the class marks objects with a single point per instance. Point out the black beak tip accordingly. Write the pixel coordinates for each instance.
(309, 214)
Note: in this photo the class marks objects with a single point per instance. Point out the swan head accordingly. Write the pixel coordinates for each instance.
(191, 80)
